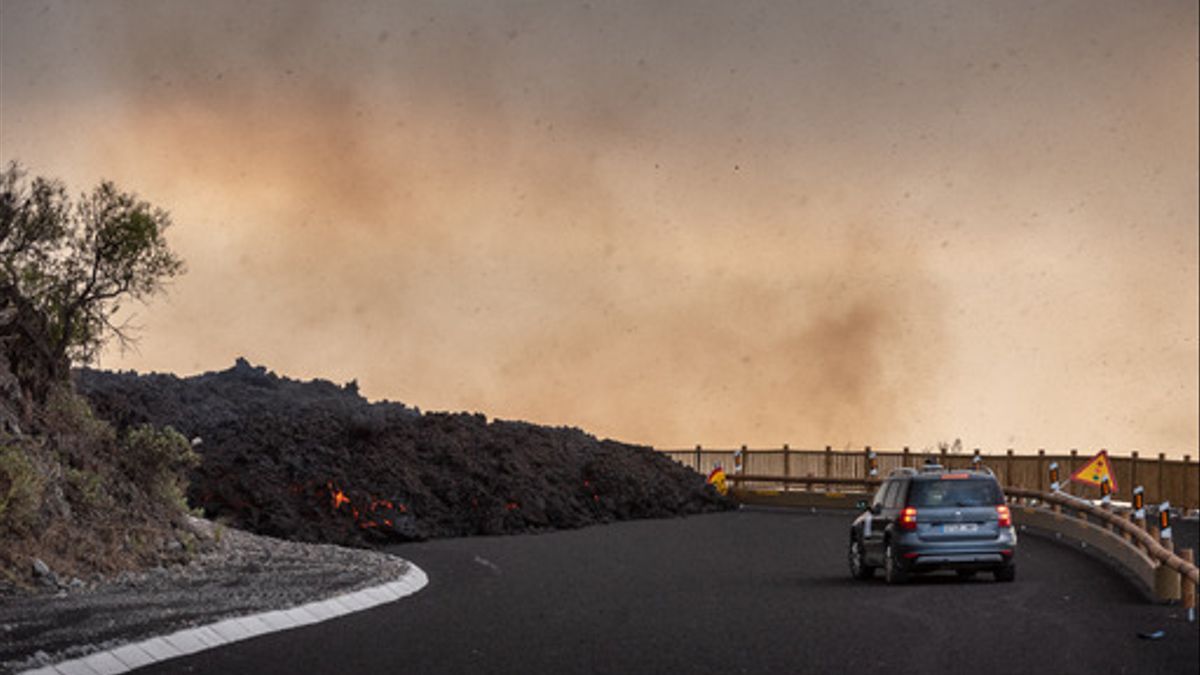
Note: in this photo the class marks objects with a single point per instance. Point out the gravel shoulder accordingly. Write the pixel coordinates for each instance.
(239, 573)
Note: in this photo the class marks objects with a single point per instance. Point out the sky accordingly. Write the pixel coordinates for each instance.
(669, 223)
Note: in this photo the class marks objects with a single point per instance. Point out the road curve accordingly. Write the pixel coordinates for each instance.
(753, 591)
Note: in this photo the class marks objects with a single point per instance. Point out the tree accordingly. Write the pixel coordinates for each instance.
(67, 266)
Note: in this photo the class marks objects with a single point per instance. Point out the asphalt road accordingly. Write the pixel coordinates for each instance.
(742, 592)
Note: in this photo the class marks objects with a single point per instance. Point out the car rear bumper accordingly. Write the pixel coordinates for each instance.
(919, 555)
(959, 561)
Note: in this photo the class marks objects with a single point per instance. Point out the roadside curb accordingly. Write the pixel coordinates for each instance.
(191, 640)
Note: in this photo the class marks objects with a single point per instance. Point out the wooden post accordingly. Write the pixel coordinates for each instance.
(1162, 475)
(744, 465)
(1106, 500)
(1041, 469)
(1189, 485)
(828, 465)
(699, 460)
(905, 459)
(1133, 472)
(1189, 588)
(1071, 466)
(787, 464)
(1008, 463)
(1167, 584)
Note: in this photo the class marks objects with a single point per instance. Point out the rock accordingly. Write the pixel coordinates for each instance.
(44, 576)
(40, 568)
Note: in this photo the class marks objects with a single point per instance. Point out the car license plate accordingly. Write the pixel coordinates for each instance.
(958, 528)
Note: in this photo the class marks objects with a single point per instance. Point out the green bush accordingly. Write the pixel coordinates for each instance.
(67, 414)
(87, 489)
(157, 460)
(20, 488)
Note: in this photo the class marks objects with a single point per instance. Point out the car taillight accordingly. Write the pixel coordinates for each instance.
(1004, 516)
(908, 518)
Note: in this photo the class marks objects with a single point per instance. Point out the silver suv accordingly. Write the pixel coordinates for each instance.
(921, 521)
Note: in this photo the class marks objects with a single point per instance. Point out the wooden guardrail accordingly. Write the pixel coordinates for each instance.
(808, 481)
(1173, 480)
(1122, 524)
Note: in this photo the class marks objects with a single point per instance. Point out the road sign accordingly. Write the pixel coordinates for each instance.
(717, 479)
(1097, 471)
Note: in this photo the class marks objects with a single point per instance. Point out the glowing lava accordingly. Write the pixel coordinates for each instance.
(365, 518)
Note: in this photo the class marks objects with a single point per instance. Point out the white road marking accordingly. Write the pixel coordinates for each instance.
(488, 564)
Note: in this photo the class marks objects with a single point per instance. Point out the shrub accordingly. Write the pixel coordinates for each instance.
(157, 460)
(69, 415)
(20, 488)
(87, 489)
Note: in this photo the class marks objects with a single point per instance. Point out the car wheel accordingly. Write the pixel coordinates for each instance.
(859, 569)
(893, 569)
(1006, 573)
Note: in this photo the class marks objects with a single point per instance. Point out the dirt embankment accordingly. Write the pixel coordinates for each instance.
(314, 461)
(76, 498)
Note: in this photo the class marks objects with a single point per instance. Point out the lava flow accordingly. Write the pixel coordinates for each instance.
(375, 514)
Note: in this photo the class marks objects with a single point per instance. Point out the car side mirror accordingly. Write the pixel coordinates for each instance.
(876, 509)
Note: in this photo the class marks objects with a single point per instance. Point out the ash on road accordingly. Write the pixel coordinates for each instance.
(751, 591)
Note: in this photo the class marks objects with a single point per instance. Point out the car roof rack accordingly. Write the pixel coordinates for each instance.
(903, 471)
(932, 468)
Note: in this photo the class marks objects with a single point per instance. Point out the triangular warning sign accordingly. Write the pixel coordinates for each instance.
(1095, 471)
(717, 480)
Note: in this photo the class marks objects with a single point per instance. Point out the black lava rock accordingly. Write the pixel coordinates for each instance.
(314, 461)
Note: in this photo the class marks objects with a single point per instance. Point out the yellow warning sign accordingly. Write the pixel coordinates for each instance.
(1095, 471)
(717, 480)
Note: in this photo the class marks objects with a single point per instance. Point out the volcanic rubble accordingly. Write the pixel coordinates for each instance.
(316, 462)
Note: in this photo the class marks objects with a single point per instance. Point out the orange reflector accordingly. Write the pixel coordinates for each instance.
(955, 476)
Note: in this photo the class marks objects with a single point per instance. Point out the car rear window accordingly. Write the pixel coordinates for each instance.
(970, 492)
